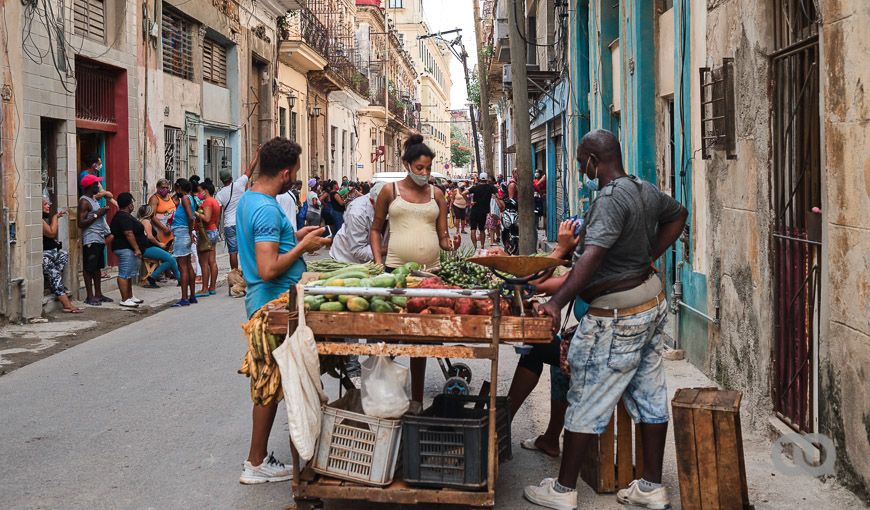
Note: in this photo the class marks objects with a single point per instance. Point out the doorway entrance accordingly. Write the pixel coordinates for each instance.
(796, 195)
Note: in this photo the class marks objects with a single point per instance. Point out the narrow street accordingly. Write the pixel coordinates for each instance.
(153, 415)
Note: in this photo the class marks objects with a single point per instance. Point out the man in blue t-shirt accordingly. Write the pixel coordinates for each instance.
(270, 255)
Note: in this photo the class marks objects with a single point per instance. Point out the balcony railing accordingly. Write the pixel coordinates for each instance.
(345, 65)
(303, 25)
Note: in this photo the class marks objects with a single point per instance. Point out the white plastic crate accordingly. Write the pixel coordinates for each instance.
(357, 447)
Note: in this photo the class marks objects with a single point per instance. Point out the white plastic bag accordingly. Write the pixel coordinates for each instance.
(384, 387)
(300, 378)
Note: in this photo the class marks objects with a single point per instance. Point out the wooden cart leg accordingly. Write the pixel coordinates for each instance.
(492, 457)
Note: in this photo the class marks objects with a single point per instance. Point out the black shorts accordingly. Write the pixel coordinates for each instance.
(93, 257)
(458, 213)
(477, 220)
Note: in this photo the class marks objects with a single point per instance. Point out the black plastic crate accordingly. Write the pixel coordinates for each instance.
(446, 446)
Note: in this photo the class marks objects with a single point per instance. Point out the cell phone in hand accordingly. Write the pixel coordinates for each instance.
(327, 232)
(578, 224)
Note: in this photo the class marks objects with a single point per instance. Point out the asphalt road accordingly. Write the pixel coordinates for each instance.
(151, 415)
(154, 415)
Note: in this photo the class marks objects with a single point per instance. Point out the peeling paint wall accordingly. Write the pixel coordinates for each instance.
(844, 347)
(739, 353)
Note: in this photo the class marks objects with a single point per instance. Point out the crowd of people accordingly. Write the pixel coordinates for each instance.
(611, 295)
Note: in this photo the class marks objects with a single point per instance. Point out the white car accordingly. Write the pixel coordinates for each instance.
(388, 177)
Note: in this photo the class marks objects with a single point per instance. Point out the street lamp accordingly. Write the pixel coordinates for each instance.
(291, 100)
(317, 111)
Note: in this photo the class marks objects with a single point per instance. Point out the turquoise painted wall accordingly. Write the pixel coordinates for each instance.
(638, 115)
(693, 329)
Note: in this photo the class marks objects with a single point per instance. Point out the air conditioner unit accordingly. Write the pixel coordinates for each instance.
(506, 75)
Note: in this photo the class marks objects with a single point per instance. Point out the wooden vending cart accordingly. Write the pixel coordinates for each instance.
(467, 336)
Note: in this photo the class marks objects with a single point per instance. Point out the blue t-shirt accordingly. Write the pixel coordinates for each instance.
(259, 218)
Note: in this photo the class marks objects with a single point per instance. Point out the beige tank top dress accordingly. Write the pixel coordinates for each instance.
(413, 234)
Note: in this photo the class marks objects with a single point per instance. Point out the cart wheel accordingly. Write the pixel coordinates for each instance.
(456, 386)
(462, 371)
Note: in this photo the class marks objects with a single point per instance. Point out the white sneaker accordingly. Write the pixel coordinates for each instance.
(270, 470)
(129, 303)
(656, 499)
(544, 494)
(136, 300)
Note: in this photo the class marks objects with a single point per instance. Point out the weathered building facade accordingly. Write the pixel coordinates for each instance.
(392, 112)
(752, 114)
(432, 63)
(69, 90)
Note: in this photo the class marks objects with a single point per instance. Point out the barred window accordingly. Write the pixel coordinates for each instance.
(282, 122)
(177, 44)
(293, 126)
(172, 152)
(214, 62)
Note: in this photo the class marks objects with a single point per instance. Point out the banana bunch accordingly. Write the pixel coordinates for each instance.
(258, 363)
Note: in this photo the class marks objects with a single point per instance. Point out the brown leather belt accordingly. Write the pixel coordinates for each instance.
(623, 312)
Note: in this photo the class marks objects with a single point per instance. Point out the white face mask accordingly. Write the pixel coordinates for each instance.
(99, 167)
(419, 180)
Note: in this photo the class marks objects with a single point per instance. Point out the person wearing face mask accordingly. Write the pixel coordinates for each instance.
(418, 226)
(270, 255)
(351, 243)
(94, 166)
(616, 350)
(164, 207)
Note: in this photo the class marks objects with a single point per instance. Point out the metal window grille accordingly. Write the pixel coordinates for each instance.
(717, 110)
(172, 152)
(177, 44)
(796, 190)
(214, 62)
(89, 18)
(293, 126)
(95, 92)
(282, 122)
(217, 157)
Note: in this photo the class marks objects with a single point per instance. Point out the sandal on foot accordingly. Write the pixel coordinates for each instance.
(531, 444)
(73, 310)
(181, 302)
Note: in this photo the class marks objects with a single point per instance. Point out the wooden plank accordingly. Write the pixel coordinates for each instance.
(608, 458)
(398, 492)
(687, 460)
(638, 452)
(728, 465)
(590, 465)
(415, 327)
(685, 397)
(624, 465)
(744, 488)
(705, 442)
(413, 351)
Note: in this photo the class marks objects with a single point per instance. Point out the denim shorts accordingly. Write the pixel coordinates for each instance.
(181, 245)
(617, 358)
(128, 264)
(231, 239)
(212, 236)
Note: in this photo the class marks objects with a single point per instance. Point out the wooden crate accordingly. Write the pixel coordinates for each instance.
(709, 448)
(609, 465)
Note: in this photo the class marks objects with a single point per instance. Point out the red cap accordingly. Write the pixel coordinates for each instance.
(89, 180)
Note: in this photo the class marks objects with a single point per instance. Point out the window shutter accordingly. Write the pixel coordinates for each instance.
(214, 58)
(89, 18)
